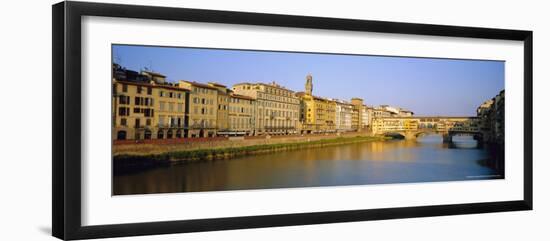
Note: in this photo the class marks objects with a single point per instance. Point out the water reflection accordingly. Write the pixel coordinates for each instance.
(424, 160)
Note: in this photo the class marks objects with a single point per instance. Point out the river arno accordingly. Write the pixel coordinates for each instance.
(426, 159)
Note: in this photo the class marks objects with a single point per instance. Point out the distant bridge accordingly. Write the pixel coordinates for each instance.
(415, 126)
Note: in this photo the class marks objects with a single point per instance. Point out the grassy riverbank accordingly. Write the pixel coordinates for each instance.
(231, 152)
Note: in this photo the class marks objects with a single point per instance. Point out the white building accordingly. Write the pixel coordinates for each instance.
(344, 111)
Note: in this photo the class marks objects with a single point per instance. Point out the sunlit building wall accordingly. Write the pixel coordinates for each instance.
(277, 108)
(203, 104)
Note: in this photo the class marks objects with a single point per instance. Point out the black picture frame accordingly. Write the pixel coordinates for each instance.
(66, 158)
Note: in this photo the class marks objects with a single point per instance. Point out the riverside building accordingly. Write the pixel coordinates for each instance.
(145, 107)
(203, 104)
(318, 113)
(344, 111)
(357, 114)
(277, 108)
(222, 110)
(241, 115)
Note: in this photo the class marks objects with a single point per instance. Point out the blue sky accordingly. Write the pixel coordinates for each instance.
(427, 86)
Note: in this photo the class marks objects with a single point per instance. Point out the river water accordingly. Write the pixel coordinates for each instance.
(426, 159)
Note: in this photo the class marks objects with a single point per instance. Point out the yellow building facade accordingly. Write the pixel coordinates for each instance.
(277, 108)
(382, 125)
(241, 115)
(222, 111)
(148, 111)
(318, 114)
(203, 104)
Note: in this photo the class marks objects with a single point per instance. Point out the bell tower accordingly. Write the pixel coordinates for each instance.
(309, 84)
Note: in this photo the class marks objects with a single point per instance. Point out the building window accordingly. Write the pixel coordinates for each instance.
(123, 111)
(139, 89)
(124, 88)
(124, 99)
(171, 95)
(147, 112)
(171, 107)
(148, 122)
(123, 122)
(149, 90)
(161, 93)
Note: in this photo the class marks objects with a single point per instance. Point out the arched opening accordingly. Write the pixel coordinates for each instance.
(169, 134)
(201, 133)
(160, 134)
(430, 126)
(394, 135)
(121, 135)
(422, 126)
(147, 134)
(178, 133)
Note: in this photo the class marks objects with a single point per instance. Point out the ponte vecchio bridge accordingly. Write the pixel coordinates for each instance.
(414, 126)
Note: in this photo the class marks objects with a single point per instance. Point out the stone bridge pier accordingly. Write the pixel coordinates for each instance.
(447, 138)
(409, 135)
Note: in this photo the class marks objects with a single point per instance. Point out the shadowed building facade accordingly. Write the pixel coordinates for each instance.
(357, 114)
(491, 115)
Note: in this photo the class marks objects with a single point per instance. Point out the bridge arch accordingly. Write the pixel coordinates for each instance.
(395, 135)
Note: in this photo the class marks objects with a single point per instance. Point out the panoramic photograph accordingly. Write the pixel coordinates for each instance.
(202, 119)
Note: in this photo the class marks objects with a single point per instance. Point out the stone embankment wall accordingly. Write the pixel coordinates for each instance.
(149, 147)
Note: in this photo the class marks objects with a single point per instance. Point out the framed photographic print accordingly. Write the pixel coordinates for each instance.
(170, 120)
